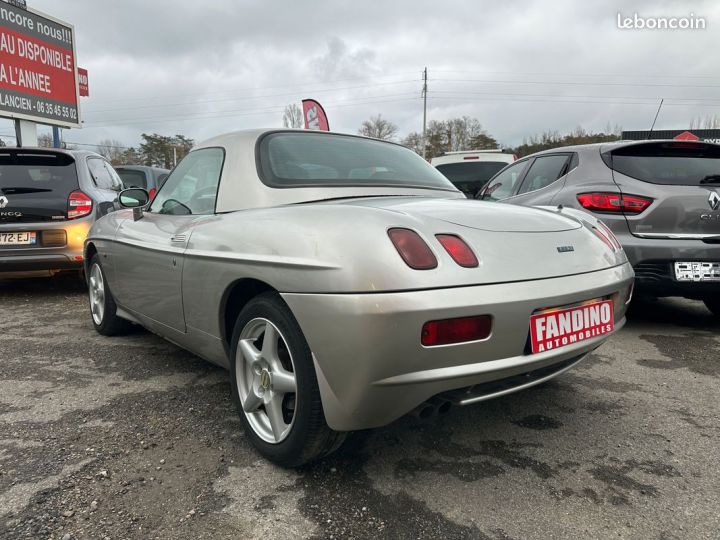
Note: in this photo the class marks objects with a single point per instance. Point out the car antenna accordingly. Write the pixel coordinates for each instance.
(656, 117)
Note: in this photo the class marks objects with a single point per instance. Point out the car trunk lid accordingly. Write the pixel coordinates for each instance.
(683, 181)
(35, 185)
(491, 217)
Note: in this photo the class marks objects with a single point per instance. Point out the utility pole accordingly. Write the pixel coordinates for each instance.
(424, 95)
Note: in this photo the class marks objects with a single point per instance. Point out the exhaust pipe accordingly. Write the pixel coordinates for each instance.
(433, 406)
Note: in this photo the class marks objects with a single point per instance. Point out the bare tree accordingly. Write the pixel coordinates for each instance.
(378, 127)
(708, 122)
(293, 117)
(111, 150)
(45, 140)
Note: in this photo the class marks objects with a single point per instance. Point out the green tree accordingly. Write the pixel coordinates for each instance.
(163, 151)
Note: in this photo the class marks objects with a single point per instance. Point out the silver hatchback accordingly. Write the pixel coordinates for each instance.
(660, 198)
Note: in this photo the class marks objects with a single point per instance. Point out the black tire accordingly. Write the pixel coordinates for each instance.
(713, 304)
(309, 437)
(110, 324)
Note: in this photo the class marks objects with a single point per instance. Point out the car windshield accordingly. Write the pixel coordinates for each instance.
(471, 177)
(289, 159)
(669, 163)
(26, 173)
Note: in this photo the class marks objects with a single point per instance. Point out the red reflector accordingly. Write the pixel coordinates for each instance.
(152, 193)
(456, 330)
(613, 202)
(471, 157)
(79, 205)
(458, 250)
(413, 249)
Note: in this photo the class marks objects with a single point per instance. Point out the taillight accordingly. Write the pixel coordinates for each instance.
(458, 330)
(413, 249)
(151, 193)
(79, 205)
(458, 250)
(611, 235)
(604, 238)
(613, 202)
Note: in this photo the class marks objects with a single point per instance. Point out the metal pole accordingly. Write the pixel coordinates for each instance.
(174, 156)
(424, 93)
(56, 137)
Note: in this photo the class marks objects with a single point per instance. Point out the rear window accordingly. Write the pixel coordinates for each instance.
(470, 177)
(668, 163)
(37, 173)
(132, 178)
(288, 160)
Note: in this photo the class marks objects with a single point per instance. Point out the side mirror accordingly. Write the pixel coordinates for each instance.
(133, 198)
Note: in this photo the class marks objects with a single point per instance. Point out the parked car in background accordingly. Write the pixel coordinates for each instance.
(48, 201)
(660, 198)
(141, 176)
(344, 282)
(469, 171)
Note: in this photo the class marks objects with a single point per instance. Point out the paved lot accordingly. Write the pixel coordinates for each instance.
(133, 438)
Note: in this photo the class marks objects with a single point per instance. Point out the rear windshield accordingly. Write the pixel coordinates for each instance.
(37, 173)
(669, 163)
(470, 177)
(132, 178)
(322, 160)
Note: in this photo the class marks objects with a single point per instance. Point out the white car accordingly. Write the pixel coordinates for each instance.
(470, 170)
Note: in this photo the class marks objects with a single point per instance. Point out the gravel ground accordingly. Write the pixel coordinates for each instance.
(134, 438)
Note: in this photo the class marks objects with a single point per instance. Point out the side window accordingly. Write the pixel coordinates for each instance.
(100, 174)
(114, 176)
(192, 186)
(543, 172)
(504, 183)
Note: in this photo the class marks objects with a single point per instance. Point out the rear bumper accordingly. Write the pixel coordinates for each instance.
(653, 261)
(372, 368)
(46, 257)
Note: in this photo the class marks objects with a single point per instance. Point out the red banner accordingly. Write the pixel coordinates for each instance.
(314, 115)
(557, 328)
(83, 82)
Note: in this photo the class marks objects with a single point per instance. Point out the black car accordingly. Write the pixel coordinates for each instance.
(141, 176)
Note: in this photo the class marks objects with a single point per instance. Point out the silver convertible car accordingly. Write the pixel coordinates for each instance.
(344, 282)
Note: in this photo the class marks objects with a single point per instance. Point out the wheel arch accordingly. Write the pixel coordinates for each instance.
(234, 299)
(90, 252)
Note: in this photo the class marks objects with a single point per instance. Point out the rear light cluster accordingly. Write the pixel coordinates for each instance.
(418, 255)
(605, 230)
(458, 330)
(614, 202)
(79, 205)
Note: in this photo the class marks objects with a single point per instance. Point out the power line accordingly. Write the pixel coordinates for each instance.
(245, 98)
(578, 83)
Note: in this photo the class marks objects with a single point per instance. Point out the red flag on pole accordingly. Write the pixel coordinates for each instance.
(314, 115)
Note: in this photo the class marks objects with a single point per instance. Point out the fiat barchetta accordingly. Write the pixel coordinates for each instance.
(344, 282)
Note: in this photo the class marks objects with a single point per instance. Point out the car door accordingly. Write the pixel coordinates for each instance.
(505, 183)
(545, 177)
(148, 258)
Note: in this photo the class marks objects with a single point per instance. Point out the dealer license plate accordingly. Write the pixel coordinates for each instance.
(697, 271)
(18, 238)
(555, 328)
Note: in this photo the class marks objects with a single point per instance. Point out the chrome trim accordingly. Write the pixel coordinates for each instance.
(677, 236)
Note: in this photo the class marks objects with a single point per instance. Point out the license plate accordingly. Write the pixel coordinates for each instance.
(697, 271)
(555, 328)
(18, 238)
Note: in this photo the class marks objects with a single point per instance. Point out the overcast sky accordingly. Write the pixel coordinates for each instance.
(522, 67)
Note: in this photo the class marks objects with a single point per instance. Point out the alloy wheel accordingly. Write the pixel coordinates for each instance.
(266, 380)
(97, 294)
